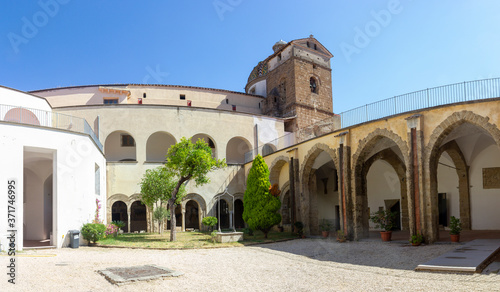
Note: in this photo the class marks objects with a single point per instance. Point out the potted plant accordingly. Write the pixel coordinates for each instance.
(455, 228)
(416, 239)
(384, 219)
(299, 228)
(325, 228)
(341, 236)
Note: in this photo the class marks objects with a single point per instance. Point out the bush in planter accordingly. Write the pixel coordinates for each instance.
(299, 227)
(384, 219)
(416, 239)
(118, 223)
(455, 226)
(93, 232)
(325, 225)
(209, 221)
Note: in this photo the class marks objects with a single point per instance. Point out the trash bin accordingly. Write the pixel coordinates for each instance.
(74, 238)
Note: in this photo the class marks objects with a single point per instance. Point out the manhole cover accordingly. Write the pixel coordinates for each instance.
(119, 276)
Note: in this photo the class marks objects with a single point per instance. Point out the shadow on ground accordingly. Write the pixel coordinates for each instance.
(397, 254)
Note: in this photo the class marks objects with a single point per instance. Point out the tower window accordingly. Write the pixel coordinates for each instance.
(144, 95)
(313, 85)
(279, 57)
(182, 96)
(308, 44)
(227, 101)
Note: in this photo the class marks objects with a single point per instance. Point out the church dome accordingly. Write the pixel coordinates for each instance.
(258, 71)
(278, 45)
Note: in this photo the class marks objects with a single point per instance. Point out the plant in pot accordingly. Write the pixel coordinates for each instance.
(341, 236)
(455, 228)
(384, 219)
(416, 239)
(299, 228)
(325, 228)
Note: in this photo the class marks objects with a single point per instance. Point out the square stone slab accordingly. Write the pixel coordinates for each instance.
(125, 275)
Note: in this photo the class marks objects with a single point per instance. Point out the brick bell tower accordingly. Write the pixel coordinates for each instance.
(296, 81)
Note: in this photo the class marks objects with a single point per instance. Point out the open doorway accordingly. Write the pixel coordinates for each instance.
(38, 201)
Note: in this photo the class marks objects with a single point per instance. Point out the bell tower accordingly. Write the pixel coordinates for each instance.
(296, 81)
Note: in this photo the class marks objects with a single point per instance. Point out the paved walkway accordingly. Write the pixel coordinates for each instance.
(472, 257)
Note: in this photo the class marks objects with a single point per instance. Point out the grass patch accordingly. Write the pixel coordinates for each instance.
(188, 240)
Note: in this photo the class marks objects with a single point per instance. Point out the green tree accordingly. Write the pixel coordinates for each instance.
(160, 214)
(156, 187)
(189, 161)
(260, 206)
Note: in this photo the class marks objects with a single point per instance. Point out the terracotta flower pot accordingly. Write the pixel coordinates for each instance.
(386, 235)
(455, 237)
(415, 243)
(325, 234)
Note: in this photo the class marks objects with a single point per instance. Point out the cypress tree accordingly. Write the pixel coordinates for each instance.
(260, 206)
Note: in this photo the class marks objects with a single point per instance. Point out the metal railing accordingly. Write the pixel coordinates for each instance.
(430, 97)
(37, 117)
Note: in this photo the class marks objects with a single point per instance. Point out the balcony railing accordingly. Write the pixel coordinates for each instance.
(37, 117)
(430, 97)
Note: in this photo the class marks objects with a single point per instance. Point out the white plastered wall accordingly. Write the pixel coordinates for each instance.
(485, 203)
(382, 184)
(75, 157)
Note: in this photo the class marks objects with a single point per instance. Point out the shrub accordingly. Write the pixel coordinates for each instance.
(93, 232)
(384, 219)
(119, 224)
(299, 227)
(111, 229)
(455, 225)
(213, 236)
(209, 221)
(260, 206)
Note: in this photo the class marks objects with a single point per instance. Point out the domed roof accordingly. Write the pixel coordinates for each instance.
(258, 71)
(278, 45)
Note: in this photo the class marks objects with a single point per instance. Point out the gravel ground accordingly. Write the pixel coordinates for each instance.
(298, 265)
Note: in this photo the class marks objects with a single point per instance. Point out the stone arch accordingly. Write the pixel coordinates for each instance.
(138, 216)
(268, 149)
(308, 217)
(238, 209)
(117, 149)
(236, 149)
(285, 204)
(390, 157)
(275, 169)
(430, 162)
(360, 215)
(209, 140)
(195, 197)
(157, 146)
(111, 200)
(462, 170)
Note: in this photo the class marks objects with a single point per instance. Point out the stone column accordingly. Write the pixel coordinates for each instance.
(183, 219)
(418, 215)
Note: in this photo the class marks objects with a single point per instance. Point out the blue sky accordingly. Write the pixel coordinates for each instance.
(380, 48)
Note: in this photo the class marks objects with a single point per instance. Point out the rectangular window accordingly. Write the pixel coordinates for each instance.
(127, 141)
(112, 100)
(279, 57)
(182, 96)
(97, 180)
